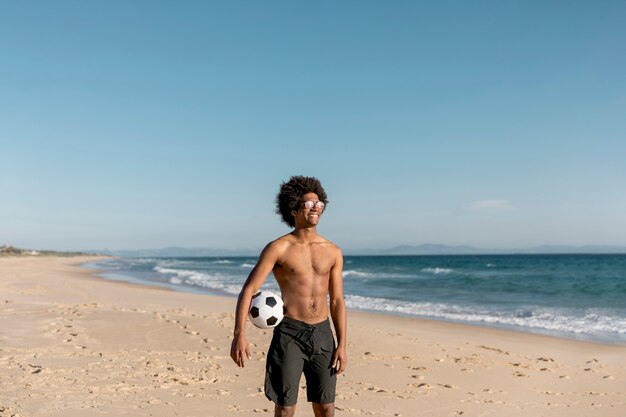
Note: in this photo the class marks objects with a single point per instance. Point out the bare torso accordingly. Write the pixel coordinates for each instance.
(303, 274)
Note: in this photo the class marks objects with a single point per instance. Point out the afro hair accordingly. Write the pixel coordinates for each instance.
(288, 198)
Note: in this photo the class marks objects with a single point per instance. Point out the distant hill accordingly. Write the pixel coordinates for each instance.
(176, 251)
(590, 249)
(430, 249)
(427, 249)
(424, 249)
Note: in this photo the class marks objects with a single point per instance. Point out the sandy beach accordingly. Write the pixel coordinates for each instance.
(73, 344)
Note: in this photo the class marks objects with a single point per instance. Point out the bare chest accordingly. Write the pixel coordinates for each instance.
(307, 262)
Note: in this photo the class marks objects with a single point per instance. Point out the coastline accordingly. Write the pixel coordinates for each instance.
(119, 348)
(367, 314)
(563, 317)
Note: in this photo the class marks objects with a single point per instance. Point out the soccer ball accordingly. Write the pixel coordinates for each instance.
(266, 309)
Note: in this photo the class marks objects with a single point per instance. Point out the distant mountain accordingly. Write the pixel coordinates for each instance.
(590, 249)
(424, 249)
(435, 249)
(174, 251)
(430, 249)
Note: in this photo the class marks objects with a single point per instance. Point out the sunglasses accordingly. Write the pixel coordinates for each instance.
(317, 204)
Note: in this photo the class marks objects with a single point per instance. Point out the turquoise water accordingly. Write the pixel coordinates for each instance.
(574, 296)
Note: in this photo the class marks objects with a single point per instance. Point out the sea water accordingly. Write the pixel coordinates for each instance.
(573, 296)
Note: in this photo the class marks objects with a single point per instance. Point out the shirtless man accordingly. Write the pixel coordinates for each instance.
(307, 268)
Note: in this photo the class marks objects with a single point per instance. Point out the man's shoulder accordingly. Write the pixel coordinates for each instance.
(335, 248)
(331, 246)
(329, 242)
(281, 243)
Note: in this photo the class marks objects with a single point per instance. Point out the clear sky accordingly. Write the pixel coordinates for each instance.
(145, 124)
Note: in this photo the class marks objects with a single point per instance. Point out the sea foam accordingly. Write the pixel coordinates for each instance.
(582, 322)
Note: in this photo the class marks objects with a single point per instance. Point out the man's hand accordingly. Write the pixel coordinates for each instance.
(340, 360)
(239, 350)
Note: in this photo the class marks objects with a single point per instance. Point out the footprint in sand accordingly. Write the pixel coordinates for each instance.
(192, 332)
(377, 389)
(37, 368)
(494, 349)
(350, 410)
(159, 316)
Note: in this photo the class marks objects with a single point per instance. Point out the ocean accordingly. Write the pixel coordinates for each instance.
(570, 296)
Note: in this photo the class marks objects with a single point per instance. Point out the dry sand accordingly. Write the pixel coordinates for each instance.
(72, 344)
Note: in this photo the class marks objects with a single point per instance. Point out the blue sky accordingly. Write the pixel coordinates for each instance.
(149, 124)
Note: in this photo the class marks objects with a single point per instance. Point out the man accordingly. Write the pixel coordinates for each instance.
(307, 268)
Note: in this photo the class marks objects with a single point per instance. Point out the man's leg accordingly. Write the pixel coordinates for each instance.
(324, 410)
(284, 410)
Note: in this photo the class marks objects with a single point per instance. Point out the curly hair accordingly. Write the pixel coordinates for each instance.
(288, 198)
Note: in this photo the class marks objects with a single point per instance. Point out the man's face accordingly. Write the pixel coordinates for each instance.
(305, 216)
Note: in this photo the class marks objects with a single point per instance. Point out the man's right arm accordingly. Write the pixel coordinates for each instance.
(240, 349)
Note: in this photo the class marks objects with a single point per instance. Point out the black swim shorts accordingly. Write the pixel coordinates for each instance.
(299, 347)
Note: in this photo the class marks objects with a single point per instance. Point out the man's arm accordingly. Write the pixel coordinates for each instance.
(338, 313)
(240, 346)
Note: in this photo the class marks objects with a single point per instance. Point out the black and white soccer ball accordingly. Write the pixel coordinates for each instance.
(266, 309)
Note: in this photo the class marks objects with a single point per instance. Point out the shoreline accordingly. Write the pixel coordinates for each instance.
(129, 279)
(74, 343)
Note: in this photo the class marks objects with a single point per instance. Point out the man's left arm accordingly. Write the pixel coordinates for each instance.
(338, 313)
